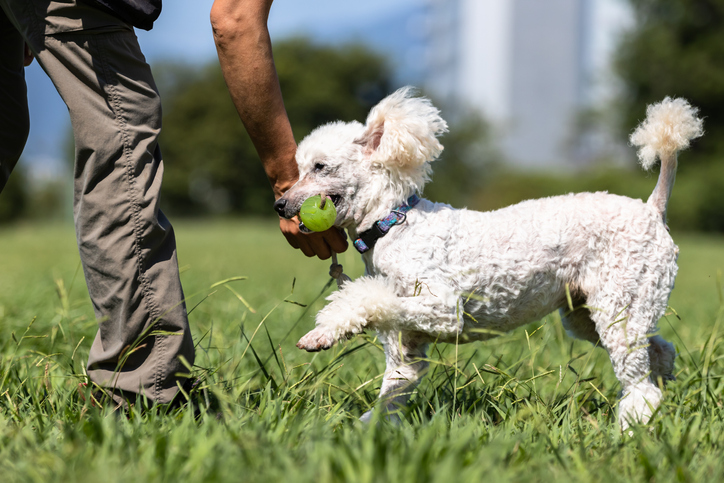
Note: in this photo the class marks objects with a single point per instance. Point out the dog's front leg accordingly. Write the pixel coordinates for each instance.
(371, 302)
(358, 304)
(406, 358)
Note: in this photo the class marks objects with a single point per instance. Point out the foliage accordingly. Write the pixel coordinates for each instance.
(13, 197)
(211, 164)
(696, 204)
(467, 163)
(532, 405)
(40, 200)
(676, 50)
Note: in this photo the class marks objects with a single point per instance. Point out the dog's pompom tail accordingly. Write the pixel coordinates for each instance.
(669, 127)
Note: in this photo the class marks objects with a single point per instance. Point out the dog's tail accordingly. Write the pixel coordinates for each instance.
(667, 129)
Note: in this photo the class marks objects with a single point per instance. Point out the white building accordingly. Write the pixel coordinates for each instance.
(530, 66)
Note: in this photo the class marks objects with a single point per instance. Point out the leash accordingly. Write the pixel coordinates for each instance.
(336, 271)
(367, 240)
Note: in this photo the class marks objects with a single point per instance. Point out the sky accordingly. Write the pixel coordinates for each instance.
(183, 33)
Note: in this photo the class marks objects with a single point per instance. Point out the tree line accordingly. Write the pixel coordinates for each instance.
(211, 166)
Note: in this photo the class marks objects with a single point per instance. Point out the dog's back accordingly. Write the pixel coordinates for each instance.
(515, 265)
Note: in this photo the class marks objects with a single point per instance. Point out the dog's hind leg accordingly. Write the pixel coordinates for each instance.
(632, 353)
(578, 324)
(638, 358)
(405, 355)
(662, 355)
(371, 302)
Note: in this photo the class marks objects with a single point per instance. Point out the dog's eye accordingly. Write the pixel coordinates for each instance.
(318, 167)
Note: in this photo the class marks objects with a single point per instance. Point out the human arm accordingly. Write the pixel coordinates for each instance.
(245, 55)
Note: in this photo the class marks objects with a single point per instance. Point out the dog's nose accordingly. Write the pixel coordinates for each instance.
(279, 206)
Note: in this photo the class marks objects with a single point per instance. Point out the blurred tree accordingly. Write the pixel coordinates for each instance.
(14, 197)
(211, 164)
(468, 162)
(676, 49)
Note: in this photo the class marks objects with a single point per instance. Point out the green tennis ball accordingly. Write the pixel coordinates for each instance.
(316, 218)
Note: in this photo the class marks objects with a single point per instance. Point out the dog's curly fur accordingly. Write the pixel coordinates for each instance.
(460, 275)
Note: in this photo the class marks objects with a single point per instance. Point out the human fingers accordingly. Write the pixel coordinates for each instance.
(313, 244)
(288, 228)
(28, 56)
(297, 239)
(336, 239)
(317, 245)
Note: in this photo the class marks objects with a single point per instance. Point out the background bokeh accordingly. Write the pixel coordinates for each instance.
(540, 97)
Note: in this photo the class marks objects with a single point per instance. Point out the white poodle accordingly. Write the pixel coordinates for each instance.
(435, 273)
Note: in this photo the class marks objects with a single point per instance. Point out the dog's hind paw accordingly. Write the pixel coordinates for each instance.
(316, 340)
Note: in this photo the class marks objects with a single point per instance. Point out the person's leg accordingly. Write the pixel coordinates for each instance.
(14, 118)
(126, 244)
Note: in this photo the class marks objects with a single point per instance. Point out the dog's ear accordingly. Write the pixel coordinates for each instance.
(402, 130)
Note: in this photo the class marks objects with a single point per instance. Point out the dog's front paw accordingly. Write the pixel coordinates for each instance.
(316, 340)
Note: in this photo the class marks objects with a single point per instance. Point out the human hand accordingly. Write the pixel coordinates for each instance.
(28, 57)
(314, 244)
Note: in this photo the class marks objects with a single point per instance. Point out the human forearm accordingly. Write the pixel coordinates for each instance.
(245, 55)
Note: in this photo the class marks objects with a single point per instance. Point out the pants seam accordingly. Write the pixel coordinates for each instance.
(118, 113)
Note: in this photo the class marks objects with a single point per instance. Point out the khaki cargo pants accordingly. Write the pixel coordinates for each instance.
(126, 244)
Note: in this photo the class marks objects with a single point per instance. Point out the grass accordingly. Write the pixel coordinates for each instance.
(532, 405)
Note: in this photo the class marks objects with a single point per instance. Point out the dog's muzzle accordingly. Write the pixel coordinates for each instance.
(279, 206)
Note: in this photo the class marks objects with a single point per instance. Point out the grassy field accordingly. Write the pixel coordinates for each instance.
(533, 405)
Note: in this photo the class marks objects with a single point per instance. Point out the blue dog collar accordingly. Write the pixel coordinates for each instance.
(367, 239)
